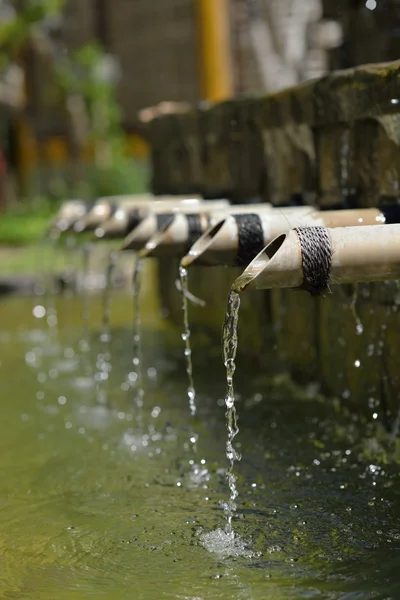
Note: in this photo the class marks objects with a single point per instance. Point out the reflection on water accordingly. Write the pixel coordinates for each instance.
(93, 508)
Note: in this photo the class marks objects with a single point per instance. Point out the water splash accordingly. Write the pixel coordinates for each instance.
(136, 375)
(229, 347)
(226, 544)
(103, 361)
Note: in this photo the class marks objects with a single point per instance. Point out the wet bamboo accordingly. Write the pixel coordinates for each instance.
(236, 240)
(159, 219)
(69, 213)
(358, 254)
(175, 238)
(125, 219)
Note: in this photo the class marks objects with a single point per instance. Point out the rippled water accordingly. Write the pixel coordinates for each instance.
(93, 508)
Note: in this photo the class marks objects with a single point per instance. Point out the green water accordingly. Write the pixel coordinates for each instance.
(93, 508)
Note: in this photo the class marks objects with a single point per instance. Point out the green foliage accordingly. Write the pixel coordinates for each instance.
(24, 224)
(15, 31)
(91, 74)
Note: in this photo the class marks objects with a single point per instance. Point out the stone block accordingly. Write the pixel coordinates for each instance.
(294, 322)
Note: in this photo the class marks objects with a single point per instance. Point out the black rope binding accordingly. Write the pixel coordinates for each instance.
(133, 220)
(195, 227)
(250, 238)
(113, 208)
(316, 258)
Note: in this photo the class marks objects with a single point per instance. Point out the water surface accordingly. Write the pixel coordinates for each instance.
(96, 504)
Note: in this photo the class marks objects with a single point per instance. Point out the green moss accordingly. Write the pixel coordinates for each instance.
(24, 225)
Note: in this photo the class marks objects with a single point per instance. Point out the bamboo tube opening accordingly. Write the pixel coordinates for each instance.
(257, 266)
(202, 243)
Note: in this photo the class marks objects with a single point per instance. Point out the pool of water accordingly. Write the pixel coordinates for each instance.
(97, 500)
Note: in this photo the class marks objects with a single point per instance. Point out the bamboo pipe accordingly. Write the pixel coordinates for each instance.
(357, 254)
(175, 238)
(70, 212)
(124, 221)
(237, 239)
(106, 207)
(127, 218)
(159, 219)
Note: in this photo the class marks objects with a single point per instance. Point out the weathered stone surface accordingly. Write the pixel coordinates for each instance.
(335, 142)
(294, 318)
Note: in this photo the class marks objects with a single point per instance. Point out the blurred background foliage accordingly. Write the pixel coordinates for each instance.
(79, 78)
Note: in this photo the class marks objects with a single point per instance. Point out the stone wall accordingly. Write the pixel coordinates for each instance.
(333, 142)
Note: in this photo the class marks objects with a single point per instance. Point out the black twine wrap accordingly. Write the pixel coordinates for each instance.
(114, 206)
(195, 227)
(250, 238)
(134, 218)
(316, 258)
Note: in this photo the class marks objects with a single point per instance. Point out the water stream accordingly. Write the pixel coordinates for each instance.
(84, 345)
(50, 290)
(191, 392)
(103, 361)
(198, 472)
(136, 375)
(229, 348)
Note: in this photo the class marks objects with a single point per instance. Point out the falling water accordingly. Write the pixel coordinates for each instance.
(186, 338)
(229, 543)
(84, 345)
(198, 473)
(50, 286)
(136, 376)
(353, 310)
(229, 347)
(103, 362)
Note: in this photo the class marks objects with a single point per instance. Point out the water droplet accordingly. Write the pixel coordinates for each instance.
(152, 373)
(39, 311)
(155, 412)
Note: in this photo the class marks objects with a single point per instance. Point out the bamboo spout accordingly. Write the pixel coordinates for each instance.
(105, 208)
(159, 220)
(121, 222)
(70, 212)
(173, 238)
(237, 239)
(126, 218)
(355, 254)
